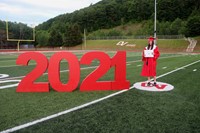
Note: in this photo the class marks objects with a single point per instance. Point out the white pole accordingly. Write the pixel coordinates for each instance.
(18, 45)
(7, 30)
(155, 22)
(84, 39)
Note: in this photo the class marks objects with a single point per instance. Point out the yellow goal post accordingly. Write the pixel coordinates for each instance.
(19, 40)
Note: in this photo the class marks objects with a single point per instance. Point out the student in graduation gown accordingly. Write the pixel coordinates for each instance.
(149, 63)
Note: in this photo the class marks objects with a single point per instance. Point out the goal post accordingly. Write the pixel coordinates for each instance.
(19, 40)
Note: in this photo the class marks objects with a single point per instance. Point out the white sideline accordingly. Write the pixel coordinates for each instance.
(84, 105)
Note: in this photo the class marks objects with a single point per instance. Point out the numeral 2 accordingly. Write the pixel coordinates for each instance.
(118, 61)
(90, 82)
(27, 83)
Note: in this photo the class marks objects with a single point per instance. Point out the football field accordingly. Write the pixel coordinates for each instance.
(104, 111)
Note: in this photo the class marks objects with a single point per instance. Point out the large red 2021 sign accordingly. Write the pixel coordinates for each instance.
(90, 83)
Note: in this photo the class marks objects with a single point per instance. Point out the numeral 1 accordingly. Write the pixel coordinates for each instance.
(119, 62)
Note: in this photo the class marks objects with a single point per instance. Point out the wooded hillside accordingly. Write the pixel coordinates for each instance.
(173, 17)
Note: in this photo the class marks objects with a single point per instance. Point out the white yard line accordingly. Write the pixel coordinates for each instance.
(46, 73)
(180, 68)
(9, 86)
(129, 62)
(77, 55)
(84, 105)
(92, 67)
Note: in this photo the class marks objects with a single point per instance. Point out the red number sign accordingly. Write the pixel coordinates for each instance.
(27, 84)
(119, 62)
(54, 72)
(90, 83)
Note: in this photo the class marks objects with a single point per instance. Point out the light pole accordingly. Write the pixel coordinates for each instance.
(155, 22)
(85, 39)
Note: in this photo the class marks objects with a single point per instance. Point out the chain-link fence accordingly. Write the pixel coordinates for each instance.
(134, 37)
(130, 42)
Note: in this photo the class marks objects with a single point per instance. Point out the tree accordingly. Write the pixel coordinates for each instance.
(42, 38)
(175, 26)
(193, 26)
(55, 38)
(73, 36)
(107, 14)
(114, 32)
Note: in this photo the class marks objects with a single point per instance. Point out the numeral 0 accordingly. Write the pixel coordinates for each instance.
(90, 83)
(54, 72)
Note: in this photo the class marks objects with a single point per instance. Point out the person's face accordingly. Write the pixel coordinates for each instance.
(150, 42)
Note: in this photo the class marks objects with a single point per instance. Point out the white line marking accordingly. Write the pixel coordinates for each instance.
(130, 61)
(194, 70)
(61, 113)
(180, 68)
(9, 86)
(139, 65)
(164, 67)
(3, 76)
(16, 65)
(12, 78)
(6, 60)
(78, 54)
(92, 67)
(84, 105)
(47, 73)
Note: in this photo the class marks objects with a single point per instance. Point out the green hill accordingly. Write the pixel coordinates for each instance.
(111, 13)
(117, 18)
(122, 18)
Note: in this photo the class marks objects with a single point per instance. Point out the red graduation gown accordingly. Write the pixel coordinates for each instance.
(149, 63)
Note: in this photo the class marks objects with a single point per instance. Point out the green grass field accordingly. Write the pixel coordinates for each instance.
(131, 111)
(166, 45)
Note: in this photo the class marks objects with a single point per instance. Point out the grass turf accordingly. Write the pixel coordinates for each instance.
(132, 111)
(164, 44)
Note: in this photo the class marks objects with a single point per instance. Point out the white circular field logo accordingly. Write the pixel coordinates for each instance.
(160, 86)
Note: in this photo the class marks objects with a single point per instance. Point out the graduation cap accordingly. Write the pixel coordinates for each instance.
(151, 39)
